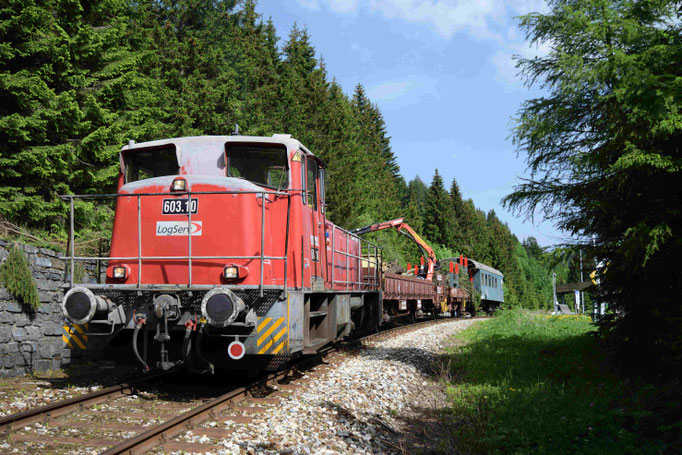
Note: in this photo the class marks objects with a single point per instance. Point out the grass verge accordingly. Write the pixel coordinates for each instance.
(529, 383)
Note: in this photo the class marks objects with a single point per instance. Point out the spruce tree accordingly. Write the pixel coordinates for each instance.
(439, 221)
(603, 148)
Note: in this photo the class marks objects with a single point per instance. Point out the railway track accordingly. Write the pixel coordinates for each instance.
(149, 425)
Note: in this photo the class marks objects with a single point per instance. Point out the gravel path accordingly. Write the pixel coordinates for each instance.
(377, 401)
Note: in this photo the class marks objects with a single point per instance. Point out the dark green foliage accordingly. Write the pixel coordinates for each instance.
(79, 79)
(604, 150)
(68, 79)
(16, 277)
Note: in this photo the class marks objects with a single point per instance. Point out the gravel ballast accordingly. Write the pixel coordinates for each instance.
(370, 403)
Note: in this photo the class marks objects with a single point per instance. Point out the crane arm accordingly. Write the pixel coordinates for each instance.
(407, 231)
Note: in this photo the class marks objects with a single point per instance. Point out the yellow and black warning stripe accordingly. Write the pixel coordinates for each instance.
(266, 327)
(74, 336)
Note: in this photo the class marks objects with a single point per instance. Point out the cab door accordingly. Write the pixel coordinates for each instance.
(312, 217)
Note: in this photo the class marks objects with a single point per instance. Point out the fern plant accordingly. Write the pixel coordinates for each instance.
(16, 277)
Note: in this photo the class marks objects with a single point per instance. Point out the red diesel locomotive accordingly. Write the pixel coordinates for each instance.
(221, 249)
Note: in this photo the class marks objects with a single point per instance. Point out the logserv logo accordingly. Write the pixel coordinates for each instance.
(169, 228)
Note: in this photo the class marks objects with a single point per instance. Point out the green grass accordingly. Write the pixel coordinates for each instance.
(529, 383)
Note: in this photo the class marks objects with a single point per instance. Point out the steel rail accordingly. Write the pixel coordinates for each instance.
(21, 419)
(165, 432)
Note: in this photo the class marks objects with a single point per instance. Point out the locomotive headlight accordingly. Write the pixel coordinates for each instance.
(231, 272)
(234, 272)
(179, 184)
(221, 306)
(119, 272)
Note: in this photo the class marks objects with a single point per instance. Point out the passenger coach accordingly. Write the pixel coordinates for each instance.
(488, 281)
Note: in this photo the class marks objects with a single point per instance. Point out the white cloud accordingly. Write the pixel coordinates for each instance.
(401, 93)
(343, 6)
(506, 71)
(388, 91)
(310, 4)
(480, 18)
(487, 20)
(364, 53)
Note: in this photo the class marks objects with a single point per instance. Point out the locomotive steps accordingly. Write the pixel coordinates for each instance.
(357, 402)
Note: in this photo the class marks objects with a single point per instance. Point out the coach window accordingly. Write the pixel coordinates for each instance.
(311, 184)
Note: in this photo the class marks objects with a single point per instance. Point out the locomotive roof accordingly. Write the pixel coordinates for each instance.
(487, 268)
(192, 148)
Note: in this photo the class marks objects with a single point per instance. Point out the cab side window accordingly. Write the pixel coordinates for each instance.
(312, 183)
(304, 194)
(322, 186)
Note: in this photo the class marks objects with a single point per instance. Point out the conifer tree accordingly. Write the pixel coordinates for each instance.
(440, 217)
(602, 145)
(67, 79)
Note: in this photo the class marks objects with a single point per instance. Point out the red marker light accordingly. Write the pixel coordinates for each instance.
(457, 269)
(416, 270)
(451, 267)
(422, 260)
(236, 350)
(408, 266)
(461, 260)
(466, 262)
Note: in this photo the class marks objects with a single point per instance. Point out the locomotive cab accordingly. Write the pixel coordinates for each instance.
(221, 253)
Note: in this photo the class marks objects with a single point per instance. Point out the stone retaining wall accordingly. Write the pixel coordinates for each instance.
(31, 340)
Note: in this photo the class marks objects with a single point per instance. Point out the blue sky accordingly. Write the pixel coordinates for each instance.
(442, 73)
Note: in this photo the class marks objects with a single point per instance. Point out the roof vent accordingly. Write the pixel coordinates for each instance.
(236, 130)
(131, 143)
(285, 136)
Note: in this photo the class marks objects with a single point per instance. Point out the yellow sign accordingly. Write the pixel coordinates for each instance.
(297, 156)
(74, 336)
(266, 326)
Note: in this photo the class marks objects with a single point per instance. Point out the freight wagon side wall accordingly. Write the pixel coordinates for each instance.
(401, 287)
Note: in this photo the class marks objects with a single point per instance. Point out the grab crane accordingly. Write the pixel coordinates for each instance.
(408, 232)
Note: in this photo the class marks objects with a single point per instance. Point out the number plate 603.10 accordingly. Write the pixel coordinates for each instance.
(178, 206)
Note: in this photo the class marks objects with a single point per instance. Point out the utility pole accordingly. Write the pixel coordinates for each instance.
(582, 296)
(554, 293)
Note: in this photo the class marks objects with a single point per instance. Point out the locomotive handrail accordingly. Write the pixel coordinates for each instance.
(288, 193)
(347, 254)
(262, 257)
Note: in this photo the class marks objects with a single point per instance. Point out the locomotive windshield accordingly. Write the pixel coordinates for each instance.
(262, 164)
(145, 164)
